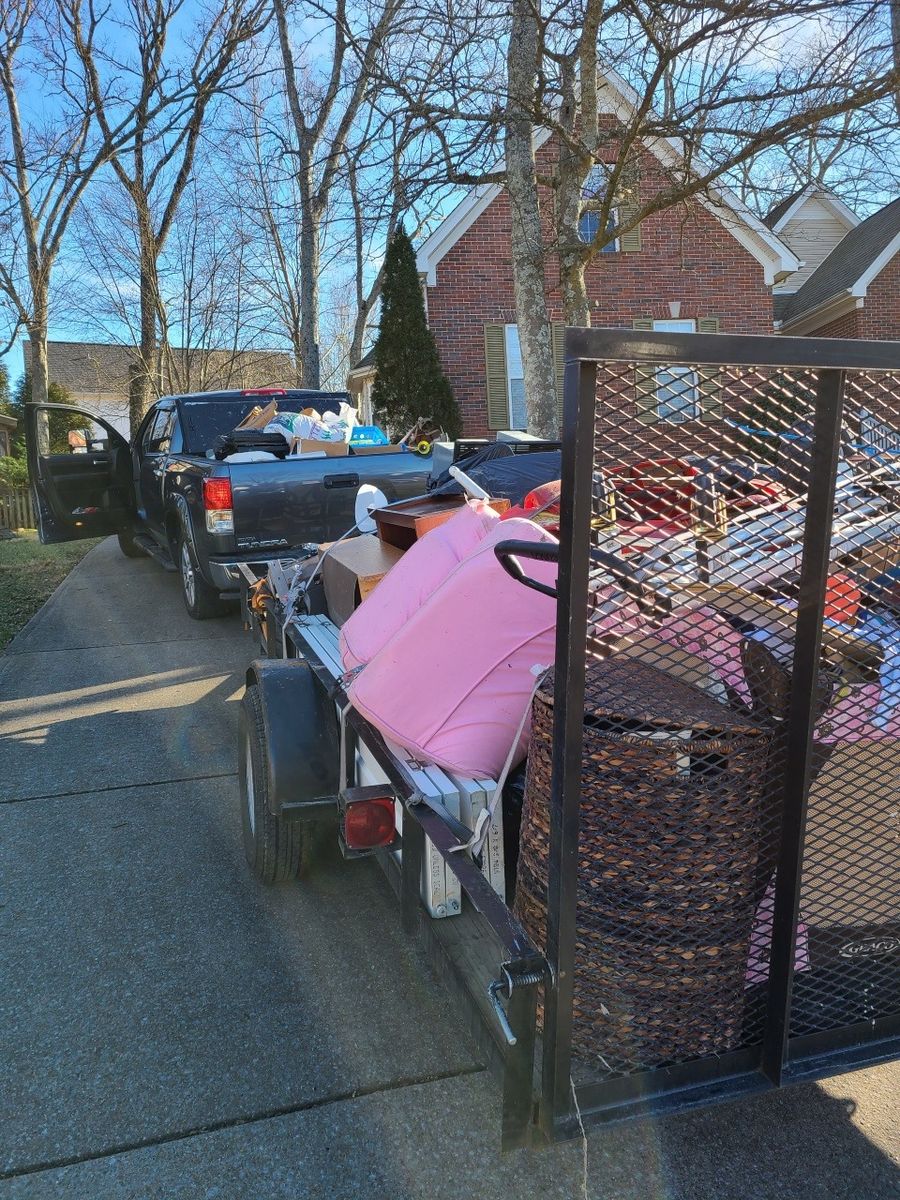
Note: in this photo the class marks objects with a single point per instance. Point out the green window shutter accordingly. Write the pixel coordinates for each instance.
(495, 376)
(710, 389)
(645, 382)
(629, 243)
(558, 337)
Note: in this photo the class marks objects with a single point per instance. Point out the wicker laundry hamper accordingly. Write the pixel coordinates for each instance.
(672, 803)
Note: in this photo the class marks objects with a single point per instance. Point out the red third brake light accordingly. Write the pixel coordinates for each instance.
(263, 392)
(216, 494)
(369, 824)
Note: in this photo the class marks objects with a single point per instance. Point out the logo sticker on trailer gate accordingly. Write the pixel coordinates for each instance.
(873, 947)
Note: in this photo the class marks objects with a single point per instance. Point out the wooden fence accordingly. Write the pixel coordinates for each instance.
(16, 511)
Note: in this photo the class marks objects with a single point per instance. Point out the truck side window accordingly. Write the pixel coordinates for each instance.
(156, 439)
(176, 437)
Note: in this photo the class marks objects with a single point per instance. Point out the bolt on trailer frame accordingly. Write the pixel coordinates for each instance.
(797, 556)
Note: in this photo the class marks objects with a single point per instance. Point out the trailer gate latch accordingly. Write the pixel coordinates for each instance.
(505, 987)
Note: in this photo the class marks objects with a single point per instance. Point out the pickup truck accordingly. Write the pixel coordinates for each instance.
(165, 494)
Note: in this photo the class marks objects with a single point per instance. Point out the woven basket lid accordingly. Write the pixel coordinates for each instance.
(630, 690)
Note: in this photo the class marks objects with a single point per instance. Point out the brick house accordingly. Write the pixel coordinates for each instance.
(706, 265)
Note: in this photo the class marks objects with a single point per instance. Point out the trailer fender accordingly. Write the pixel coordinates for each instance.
(302, 740)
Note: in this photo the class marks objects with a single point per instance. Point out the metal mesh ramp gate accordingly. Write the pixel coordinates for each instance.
(714, 782)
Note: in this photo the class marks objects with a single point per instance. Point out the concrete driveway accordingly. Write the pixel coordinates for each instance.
(170, 1029)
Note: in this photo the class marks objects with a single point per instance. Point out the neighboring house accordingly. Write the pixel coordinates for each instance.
(707, 265)
(360, 382)
(854, 292)
(812, 221)
(7, 429)
(97, 375)
(854, 289)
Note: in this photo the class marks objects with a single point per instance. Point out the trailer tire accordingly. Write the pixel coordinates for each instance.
(275, 848)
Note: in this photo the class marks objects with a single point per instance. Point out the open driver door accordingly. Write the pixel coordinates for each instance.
(81, 474)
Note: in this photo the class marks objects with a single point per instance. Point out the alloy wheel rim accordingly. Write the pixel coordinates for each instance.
(187, 574)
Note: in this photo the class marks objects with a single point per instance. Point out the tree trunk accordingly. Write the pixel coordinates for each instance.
(576, 306)
(527, 242)
(141, 392)
(309, 273)
(37, 335)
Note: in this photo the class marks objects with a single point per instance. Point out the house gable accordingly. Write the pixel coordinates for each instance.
(617, 100)
(813, 223)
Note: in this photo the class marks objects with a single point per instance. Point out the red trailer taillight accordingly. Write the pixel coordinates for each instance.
(369, 824)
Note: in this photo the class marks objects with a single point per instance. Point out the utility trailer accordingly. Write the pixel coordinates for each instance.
(819, 988)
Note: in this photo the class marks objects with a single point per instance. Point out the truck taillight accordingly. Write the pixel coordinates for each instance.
(217, 503)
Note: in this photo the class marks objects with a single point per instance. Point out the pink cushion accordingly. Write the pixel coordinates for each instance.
(453, 684)
(403, 591)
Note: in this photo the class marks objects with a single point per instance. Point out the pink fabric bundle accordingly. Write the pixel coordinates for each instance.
(454, 682)
(406, 587)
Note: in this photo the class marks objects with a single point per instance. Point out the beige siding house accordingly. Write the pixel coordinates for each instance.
(96, 375)
(812, 222)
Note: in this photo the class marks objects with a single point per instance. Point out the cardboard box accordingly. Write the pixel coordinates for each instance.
(258, 418)
(309, 446)
(403, 523)
(353, 570)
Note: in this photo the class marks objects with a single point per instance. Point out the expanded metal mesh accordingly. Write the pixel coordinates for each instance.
(701, 494)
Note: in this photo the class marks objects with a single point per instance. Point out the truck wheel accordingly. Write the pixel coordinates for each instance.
(129, 546)
(274, 847)
(200, 599)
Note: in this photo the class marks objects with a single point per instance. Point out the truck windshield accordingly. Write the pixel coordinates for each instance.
(204, 420)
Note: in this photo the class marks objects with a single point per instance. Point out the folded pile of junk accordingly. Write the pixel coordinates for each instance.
(268, 432)
(447, 614)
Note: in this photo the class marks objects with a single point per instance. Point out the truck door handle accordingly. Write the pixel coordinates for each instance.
(341, 481)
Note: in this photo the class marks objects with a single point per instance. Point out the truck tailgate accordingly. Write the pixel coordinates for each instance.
(286, 503)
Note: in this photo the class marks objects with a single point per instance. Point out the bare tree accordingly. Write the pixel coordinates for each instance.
(523, 59)
(323, 116)
(45, 165)
(172, 101)
(716, 86)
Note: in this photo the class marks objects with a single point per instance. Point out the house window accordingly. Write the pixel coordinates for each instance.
(677, 388)
(592, 196)
(515, 379)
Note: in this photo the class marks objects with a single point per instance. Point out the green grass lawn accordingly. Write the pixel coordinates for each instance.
(29, 573)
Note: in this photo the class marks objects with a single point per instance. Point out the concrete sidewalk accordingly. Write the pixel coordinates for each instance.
(168, 1028)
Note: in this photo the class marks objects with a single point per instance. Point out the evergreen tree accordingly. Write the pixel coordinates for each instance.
(409, 382)
(59, 422)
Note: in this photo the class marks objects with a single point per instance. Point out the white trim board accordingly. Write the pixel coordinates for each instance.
(838, 208)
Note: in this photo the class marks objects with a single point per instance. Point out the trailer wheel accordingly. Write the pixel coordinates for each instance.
(274, 847)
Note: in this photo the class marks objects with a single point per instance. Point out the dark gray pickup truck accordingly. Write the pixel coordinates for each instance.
(165, 494)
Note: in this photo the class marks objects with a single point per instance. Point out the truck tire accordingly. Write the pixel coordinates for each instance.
(200, 598)
(275, 848)
(129, 546)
